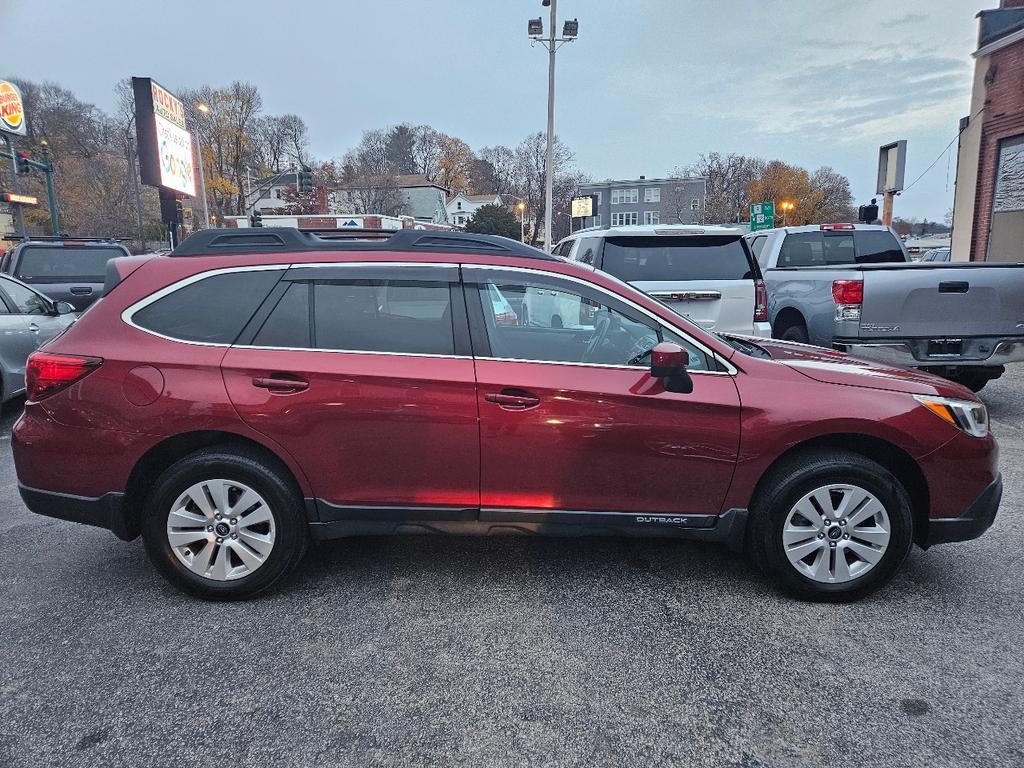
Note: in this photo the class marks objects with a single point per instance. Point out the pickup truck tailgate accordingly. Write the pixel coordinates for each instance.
(929, 301)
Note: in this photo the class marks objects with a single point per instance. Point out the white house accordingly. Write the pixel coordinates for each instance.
(461, 207)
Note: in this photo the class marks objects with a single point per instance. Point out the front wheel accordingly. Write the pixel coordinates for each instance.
(224, 524)
(831, 526)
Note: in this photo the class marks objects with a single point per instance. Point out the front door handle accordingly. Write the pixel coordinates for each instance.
(280, 384)
(513, 399)
(33, 327)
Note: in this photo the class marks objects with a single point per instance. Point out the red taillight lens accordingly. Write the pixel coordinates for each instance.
(836, 227)
(848, 291)
(760, 302)
(46, 375)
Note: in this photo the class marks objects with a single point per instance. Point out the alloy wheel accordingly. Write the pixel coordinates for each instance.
(836, 533)
(221, 529)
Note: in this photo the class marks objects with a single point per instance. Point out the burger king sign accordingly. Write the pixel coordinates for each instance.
(12, 111)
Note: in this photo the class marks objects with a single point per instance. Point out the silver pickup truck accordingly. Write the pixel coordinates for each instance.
(852, 287)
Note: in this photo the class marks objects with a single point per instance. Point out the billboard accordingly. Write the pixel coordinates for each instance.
(584, 206)
(12, 110)
(892, 161)
(165, 146)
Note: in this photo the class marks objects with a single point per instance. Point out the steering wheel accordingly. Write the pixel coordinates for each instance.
(602, 324)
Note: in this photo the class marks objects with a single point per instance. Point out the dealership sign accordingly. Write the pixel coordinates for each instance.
(165, 146)
(12, 110)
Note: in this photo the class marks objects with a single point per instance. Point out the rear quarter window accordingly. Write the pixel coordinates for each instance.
(877, 247)
(663, 258)
(212, 310)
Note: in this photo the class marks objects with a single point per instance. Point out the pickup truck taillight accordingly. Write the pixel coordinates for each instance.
(47, 375)
(760, 302)
(848, 296)
(848, 291)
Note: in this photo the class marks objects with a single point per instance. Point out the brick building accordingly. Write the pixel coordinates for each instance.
(988, 209)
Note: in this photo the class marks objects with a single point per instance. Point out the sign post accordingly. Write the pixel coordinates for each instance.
(762, 216)
(12, 122)
(165, 153)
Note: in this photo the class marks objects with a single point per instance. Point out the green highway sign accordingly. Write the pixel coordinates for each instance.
(762, 216)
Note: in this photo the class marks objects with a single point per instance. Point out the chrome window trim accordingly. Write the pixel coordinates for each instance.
(730, 369)
(264, 348)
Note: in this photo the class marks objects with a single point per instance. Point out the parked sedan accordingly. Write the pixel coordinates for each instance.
(27, 320)
(936, 254)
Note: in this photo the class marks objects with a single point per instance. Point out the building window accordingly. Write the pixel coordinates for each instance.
(695, 204)
(652, 217)
(652, 195)
(625, 196)
(624, 219)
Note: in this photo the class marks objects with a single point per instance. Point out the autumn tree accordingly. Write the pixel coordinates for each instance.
(453, 163)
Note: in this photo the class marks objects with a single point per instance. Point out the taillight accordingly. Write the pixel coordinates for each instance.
(46, 374)
(837, 227)
(848, 291)
(760, 302)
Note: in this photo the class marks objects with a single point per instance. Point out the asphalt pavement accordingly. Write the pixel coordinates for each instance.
(511, 651)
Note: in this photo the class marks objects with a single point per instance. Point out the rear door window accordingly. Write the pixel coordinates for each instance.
(877, 247)
(587, 251)
(288, 324)
(212, 310)
(64, 264)
(664, 258)
(395, 316)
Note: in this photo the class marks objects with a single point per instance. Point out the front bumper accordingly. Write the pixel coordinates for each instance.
(106, 511)
(971, 524)
(913, 353)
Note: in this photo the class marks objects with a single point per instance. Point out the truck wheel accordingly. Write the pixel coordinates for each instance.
(975, 379)
(224, 524)
(797, 333)
(830, 526)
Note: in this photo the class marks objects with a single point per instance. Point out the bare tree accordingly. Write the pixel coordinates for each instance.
(368, 182)
(729, 177)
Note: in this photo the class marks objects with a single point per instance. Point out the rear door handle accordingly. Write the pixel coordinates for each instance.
(280, 384)
(513, 400)
(81, 290)
(33, 327)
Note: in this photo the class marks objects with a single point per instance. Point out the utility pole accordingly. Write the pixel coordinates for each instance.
(133, 170)
(887, 202)
(51, 193)
(552, 43)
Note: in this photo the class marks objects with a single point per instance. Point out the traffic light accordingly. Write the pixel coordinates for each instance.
(305, 184)
(179, 214)
(256, 218)
(23, 167)
(868, 213)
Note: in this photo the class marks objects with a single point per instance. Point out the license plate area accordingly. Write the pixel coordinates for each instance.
(945, 347)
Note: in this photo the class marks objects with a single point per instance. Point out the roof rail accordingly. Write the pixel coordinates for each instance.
(61, 238)
(212, 242)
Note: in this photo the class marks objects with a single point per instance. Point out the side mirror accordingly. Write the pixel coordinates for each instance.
(668, 362)
(63, 308)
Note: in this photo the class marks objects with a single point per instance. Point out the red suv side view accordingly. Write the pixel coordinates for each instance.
(259, 389)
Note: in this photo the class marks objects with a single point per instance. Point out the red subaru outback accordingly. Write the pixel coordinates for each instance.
(258, 389)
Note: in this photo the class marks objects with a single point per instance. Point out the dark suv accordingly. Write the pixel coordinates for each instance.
(65, 270)
(257, 389)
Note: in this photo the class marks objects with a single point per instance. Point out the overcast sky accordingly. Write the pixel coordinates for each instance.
(649, 85)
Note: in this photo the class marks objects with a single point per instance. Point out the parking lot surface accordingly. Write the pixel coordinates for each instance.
(511, 651)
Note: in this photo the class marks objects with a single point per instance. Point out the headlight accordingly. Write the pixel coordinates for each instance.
(967, 415)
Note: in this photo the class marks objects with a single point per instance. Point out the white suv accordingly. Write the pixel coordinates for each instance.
(704, 273)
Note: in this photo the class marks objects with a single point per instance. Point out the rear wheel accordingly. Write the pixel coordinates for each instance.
(224, 524)
(975, 378)
(797, 333)
(831, 526)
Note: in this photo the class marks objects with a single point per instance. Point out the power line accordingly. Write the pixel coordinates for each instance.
(936, 160)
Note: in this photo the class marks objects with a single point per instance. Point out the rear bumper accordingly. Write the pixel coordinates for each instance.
(913, 353)
(971, 524)
(106, 511)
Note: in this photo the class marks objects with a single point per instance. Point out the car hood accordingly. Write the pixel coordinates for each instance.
(832, 367)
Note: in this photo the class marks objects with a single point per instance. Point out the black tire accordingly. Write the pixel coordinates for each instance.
(243, 465)
(788, 483)
(797, 333)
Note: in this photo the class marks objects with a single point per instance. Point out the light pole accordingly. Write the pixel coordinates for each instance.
(786, 207)
(552, 43)
(521, 207)
(202, 174)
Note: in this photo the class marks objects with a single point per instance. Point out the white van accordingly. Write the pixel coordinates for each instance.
(705, 273)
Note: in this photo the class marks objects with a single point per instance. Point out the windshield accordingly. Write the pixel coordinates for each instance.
(689, 257)
(59, 264)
